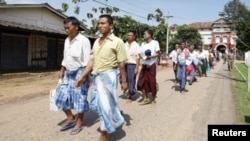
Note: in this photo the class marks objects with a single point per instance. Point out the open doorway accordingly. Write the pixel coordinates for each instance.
(221, 49)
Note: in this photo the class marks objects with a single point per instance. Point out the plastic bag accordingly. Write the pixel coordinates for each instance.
(52, 97)
(189, 68)
(208, 67)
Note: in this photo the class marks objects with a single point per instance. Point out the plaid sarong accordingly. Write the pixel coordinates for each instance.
(68, 97)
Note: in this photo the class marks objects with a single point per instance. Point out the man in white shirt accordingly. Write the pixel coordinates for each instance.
(75, 57)
(203, 58)
(193, 56)
(182, 56)
(173, 57)
(150, 51)
(132, 64)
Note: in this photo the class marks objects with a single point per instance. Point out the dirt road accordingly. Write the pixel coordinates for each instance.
(176, 117)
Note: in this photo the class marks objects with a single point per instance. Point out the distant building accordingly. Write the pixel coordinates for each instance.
(217, 35)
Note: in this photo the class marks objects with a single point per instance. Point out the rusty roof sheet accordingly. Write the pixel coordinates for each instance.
(201, 24)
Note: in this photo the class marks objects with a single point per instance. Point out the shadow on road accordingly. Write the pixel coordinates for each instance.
(119, 133)
(247, 119)
(134, 97)
(90, 118)
(231, 78)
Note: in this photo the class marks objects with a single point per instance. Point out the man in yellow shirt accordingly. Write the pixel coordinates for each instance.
(108, 54)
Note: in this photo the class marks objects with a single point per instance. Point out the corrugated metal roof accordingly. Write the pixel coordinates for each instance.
(46, 5)
(31, 27)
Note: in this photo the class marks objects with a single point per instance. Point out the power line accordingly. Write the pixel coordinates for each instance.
(133, 7)
(132, 4)
(120, 10)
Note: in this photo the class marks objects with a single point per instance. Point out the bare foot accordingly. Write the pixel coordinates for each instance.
(153, 103)
(175, 83)
(103, 136)
(129, 99)
(79, 124)
(71, 119)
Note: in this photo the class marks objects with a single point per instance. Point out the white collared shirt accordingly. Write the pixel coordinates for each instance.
(173, 56)
(132, 51)
(77, 53)
(203, 54)
(193, 55)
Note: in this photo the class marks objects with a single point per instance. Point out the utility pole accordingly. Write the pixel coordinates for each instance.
(167, 17)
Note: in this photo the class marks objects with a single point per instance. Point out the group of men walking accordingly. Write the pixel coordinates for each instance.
(189, 61)
(110, 62)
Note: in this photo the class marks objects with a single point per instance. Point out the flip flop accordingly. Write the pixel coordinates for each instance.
(75, 131)
(67, 126)
(62, 123)
(145, 102)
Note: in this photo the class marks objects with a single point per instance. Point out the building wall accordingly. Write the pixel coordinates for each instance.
(27, 51)
(206, 36)
(41, 28)
(217, 34)
(40, 17)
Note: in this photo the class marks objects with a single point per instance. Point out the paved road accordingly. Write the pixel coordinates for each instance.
(177, 117)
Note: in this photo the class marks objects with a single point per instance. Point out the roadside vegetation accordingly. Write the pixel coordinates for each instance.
(241, 95)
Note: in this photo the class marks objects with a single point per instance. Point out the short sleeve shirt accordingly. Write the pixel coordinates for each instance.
(173, 56)
(108, 54)
(133, 51)
(154, 47)
(76, 53)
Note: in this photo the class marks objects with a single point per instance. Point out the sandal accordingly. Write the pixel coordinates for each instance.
(67, 126)
(145, 102)
(75, 131)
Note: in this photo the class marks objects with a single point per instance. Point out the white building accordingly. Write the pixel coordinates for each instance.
(217, 35)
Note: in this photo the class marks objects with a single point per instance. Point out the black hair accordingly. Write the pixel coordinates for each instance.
(150, 32)
(109, 18)
(132, 31)
(73, 20)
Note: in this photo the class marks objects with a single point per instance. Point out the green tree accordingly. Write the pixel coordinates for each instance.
(160, 30)
(243, 34)
(238, 13)
(235, 11)
(122, 23)
(187, 34)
